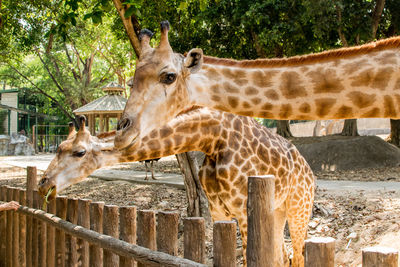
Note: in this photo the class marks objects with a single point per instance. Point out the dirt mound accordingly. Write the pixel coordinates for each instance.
(331, 153)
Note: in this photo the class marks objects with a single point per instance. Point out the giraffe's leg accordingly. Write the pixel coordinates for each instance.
(145, 165)
(281, 258)
(207, 177)
(152, 170)
(299, 207)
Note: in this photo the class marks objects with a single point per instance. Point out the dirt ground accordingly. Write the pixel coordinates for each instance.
(372, 218)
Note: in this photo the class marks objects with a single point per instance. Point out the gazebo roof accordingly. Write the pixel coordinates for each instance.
(107, 104)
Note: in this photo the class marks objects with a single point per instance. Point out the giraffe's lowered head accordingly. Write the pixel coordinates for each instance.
(76, 158)
(159, 90)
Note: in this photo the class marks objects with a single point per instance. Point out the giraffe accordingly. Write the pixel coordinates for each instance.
(235, 146)
(355, 82)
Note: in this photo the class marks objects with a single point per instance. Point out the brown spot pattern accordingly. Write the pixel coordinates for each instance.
(344, 112)
(285, 111)
(233, 101)
(361, 100)
(291, 85)
(256, 100)
(251, 90)
(324, 106)
(263, 78)
(305, 108)
(325, 81)
(374, 113)
(390, 110)
(230, 88)
(272, 94)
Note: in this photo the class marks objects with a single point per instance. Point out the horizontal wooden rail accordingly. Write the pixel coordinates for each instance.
(144, 255)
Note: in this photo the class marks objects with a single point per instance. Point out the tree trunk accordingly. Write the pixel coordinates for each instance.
(376, 16)
(197, 201)
(283, 128)
(131, 26)
(350, 128)
(394, 137)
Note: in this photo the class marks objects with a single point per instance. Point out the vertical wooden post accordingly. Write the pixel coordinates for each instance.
(31, 180)
(22, 231)
(71, 255)
(320, 252)
(9, 234)
(224, 243)
(146, 230)
(111, 228)
(380, 257)
(260, 221)
(35, 232)
(84, 221)
(3, 226)
(194, 240)
(51, 232)
(15, 247)
(42, 247)
(101, 123)
(61, 212)
(167, 232)
(96, 224)
(127, 231)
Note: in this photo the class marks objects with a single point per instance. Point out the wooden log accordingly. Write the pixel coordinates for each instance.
(42, 246)
(224, 243)
(22, 231)
(146, 230)
(260, 221)
(194, 233)
(3, 228)
(9, 233)
(380, 257)
(51, 235)
(96, 224)
(61, 212)
(35, 232)
(167, 232)
(110, 228)
(83, 220)
(71, 255)
(15, 247)
(127, 231)
(122, 248)
(320, 252)
(31, 183)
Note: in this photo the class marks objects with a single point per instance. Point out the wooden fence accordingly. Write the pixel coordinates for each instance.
(78, 232)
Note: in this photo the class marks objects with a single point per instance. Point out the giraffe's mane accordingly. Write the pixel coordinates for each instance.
(340, 53)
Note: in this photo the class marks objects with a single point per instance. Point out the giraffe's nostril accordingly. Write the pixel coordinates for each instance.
(123, 124)
(43, 181)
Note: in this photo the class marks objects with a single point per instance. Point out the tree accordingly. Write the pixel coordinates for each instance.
(60, 54)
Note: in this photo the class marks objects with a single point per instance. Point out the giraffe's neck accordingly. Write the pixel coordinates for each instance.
(196, 130)
(362, 85)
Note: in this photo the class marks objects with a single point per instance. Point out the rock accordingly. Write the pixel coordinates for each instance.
(17, 144)
(331, 153)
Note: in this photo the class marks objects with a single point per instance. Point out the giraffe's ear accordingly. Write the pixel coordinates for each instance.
(194, 60)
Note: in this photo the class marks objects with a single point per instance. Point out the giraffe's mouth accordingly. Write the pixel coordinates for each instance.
(124, 139)
(132, 144)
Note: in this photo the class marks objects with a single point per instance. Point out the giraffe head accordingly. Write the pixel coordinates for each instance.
(159, 91)
(76, 158)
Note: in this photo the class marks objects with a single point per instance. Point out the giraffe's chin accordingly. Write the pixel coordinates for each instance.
(123, 140)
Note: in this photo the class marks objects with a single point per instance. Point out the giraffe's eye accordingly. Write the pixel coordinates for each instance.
(168, 77)
(79, 153)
